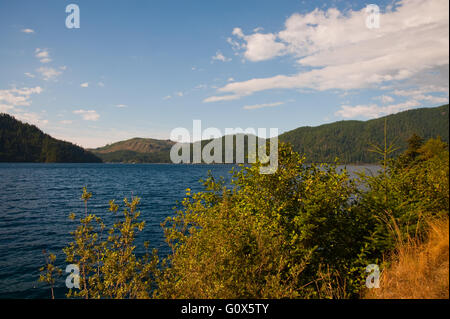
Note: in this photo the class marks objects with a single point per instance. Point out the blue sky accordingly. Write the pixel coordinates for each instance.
(143, 68)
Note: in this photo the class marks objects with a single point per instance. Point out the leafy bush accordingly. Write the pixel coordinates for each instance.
(306, 231)
(108, 265)
(415, 189)
(268, 236)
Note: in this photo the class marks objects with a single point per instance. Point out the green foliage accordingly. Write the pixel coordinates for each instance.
(350, 140)
(306, 231)
(50, 272)
(109, 267)
(136, 150)
(140, 150)
(347, 140)
(415, 188)
(269, 236)
(411, 153)
(21, 142)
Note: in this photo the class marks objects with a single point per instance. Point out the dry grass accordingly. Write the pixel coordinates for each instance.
(419, 270)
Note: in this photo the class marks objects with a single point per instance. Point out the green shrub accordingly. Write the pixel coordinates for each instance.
(306, 231)
(267, 236)
(415, 188)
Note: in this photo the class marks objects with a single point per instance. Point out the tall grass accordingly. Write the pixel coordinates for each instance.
(419, 269)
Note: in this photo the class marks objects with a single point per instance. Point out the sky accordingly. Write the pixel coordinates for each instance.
(143, 68)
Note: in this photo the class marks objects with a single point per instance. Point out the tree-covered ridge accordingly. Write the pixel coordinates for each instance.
(138, 145)
(21, 142)
(350, 140)
(136, 150)
(148, 150)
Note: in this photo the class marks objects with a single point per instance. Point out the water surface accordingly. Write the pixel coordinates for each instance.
(36, 199)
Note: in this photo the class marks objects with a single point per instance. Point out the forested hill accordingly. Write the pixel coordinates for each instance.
(350, 140)
(136, 150)
(21, 142)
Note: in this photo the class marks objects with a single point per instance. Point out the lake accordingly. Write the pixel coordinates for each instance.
(36, 199)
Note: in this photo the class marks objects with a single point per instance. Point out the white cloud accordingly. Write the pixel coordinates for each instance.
(88, 115)
(385, 99)
(238, 32)
(423, 90)
(101, 84)
(220, 57)
(11, 98)
(335, 50)
(66, 122)
(5, 108)
(374, 110)
(230, 97)
(121, 105)
(260, 46)
(31, 118)
(235, 45)
(27, 30)
(48, 73)
(259, 106)
(424, 94)
(431, 98)
(43, 55)
(30, 75)
(167, 97)
(84, 85)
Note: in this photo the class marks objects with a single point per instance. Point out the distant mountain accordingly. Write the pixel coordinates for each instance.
(136, 150)
(350, 140)
(148, 150)
(347, 140)
(21, 142)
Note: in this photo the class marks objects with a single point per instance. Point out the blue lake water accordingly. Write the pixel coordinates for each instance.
(36, 199)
